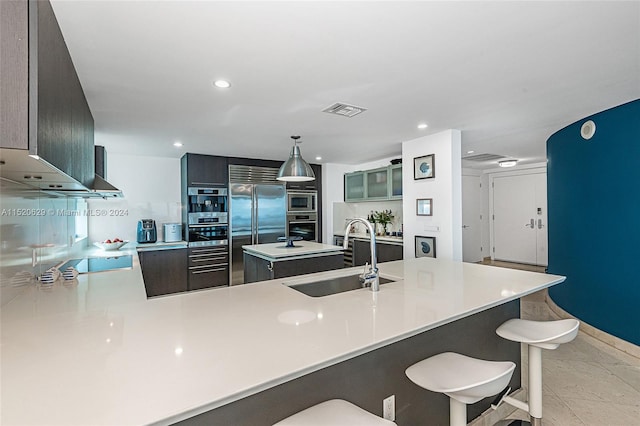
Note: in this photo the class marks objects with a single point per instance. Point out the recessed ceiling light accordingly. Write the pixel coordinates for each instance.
(222, 84)
(318, 158)
(470, 152)
(177, 144)
(507, 163)
(422, 126)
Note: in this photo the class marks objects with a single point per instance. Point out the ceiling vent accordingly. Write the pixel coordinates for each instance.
(344, 110)
(483, 157)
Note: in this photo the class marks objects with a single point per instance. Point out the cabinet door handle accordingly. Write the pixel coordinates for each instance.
(215, 265)
(209, 259)
(208, 270)
(205, 251)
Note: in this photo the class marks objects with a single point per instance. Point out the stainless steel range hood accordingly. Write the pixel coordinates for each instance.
(17, 165)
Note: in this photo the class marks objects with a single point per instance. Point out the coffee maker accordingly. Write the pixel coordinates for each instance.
(147, 232)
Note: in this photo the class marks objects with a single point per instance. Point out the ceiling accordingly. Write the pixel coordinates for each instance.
(507, 74)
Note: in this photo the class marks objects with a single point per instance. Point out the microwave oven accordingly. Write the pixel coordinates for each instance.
(301, 201)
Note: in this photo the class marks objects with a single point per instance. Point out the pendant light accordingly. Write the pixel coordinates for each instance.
(295, 169)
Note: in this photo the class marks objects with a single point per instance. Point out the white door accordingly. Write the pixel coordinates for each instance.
(471, 219)
(519, 218)
(542, 255)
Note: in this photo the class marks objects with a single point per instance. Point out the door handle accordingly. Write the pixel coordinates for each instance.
(465, 226)
(530, 224)
(539, 223)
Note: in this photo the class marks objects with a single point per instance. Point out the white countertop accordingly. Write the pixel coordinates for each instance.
(98, 352)
(301, 249)
(366, 236)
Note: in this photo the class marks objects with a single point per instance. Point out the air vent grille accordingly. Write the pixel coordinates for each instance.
(483, 157)
(344, 110)
(253, 174)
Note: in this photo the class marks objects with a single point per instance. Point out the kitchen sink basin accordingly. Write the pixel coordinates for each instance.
(333, 285)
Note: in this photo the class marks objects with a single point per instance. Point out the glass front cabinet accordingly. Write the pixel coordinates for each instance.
(395, 181)
(377, 187)
(354, 186)
(384, 183)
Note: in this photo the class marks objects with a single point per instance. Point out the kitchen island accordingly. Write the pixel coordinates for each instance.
(280, 260)
(99, 352)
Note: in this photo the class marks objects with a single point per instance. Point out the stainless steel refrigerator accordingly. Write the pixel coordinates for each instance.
(258, 215)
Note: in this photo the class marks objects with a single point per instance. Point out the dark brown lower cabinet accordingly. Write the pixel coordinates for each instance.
(258, 269)
(164, 271)
(385, 252)
(208, 267)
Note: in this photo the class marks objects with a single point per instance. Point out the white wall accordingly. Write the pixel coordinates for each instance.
(151, 187)
(445, 190)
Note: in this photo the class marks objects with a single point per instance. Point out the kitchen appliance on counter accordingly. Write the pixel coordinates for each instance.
(258, 208)
(172, 232)
(302, 201)
(147, 231)
(207, 217)
(303, 225)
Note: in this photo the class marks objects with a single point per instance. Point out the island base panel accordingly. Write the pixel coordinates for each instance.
(258, 269)
(369, 378)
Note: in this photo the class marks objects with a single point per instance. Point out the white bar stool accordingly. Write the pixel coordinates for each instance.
(537, 335)
(335, 412)
(465, 380)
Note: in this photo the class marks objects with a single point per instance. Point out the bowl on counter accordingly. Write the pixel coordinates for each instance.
(110, 246)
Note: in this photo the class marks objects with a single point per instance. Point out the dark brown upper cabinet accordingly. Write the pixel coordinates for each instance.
(309, 185)
(204, 170)
(44, 110)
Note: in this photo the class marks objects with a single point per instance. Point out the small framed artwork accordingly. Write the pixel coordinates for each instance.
(425, 246)
(424, 167)
(424, 206)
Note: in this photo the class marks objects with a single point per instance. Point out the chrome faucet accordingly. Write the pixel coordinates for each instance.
(370, 277)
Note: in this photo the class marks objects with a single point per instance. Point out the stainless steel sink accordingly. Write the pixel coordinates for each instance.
(332, 285)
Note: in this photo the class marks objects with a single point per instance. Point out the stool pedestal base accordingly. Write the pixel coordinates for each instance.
(457, 413)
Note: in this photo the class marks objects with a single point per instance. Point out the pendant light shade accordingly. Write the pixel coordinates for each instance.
(295, 169)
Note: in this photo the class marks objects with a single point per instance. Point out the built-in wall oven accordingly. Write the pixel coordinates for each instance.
(302, 201)
(303, 225)
(207, 217)
(207, 233)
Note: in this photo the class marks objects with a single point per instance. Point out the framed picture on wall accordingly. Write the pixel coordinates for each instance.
(424, 206)
(425, 246)
(424, 167)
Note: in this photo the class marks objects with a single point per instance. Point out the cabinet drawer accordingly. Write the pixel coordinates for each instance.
(208, 276)
(199, 251)
(208, 267)
(208, 259)
(208, 256)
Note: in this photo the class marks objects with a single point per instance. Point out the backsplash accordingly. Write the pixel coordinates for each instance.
(119, 218)
(35, 226)
(344, 211)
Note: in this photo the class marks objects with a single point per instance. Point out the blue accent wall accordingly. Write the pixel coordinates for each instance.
(593, 190)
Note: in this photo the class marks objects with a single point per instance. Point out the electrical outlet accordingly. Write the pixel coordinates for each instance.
(389, 408)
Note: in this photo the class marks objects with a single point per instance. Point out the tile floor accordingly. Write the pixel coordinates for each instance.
(585, 382)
